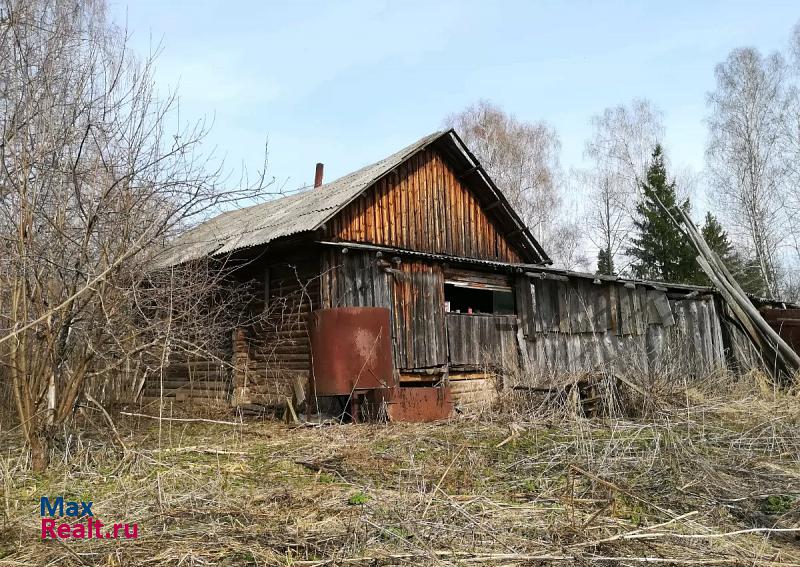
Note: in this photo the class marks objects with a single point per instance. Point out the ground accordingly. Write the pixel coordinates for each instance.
(708, 483)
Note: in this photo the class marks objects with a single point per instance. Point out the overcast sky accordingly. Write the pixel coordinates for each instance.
(347, 83)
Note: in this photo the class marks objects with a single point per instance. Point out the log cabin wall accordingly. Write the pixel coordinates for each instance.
(187, 378)
(195, 369)
(421, 209)
(423, 206)
(565, 325)
(273, 355)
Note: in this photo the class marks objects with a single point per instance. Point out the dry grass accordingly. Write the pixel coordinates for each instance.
(703, 479)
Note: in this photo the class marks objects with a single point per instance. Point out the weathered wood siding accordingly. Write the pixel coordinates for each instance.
(355, 279)
(741, 352)
(572, 325)
(478, 279)
(423, 206)
(482, 341)
(418, 306)
(413, 291)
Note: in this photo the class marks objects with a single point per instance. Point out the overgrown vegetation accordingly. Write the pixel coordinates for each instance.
(93, 181)
(710, 475)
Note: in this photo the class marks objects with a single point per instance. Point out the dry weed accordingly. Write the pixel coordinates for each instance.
(711, 475)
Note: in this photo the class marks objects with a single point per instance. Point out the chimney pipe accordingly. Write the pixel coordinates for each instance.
(318, 175)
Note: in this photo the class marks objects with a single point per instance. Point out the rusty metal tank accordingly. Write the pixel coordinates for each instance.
(786, 323)
(351, 350)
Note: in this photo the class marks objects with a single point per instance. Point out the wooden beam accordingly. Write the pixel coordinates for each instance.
(469, 172)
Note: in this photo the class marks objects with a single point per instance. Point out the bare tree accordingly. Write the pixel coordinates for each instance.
(747, 154)
(607, 217)
(567, 245)
(523, 159)
(90, 182)
(791, 198)
(619, 151)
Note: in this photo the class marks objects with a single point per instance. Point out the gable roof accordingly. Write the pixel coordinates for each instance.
(309, 210)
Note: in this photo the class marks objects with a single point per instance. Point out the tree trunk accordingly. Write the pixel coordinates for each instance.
(40, 452)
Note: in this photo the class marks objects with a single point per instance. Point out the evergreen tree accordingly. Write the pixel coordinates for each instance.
(605, 263)
(747, 273)
(660, 251)
(717, 239)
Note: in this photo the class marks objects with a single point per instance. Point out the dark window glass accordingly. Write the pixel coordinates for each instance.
(463, 299)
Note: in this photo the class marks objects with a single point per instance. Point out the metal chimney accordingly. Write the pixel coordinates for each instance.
(318, 175)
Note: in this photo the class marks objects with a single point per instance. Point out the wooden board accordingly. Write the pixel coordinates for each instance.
(482, 341)
(424, 207)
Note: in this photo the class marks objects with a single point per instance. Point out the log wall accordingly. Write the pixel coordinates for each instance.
(562, 325)
(188, 378)
(275, 353)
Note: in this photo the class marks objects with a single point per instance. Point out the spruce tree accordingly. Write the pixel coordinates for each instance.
(605, 263)
(660, 250)
(747, 273)
(717, 239)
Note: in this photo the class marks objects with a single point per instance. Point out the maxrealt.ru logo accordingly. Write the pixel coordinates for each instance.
(89, 528)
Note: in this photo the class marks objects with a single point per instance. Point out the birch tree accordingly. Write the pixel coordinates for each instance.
(791, 283)
(747, 154)
(618, 152)
(523, 159)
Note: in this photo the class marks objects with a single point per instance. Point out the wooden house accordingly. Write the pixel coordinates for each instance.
(474, 304)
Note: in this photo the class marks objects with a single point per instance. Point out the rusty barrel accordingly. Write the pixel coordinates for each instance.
(351, 349)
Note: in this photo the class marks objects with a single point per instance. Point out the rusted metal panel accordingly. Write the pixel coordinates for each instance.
(414, 404)
(787, 323)
(351, 348)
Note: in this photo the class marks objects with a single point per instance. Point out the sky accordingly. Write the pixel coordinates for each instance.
(347, 83)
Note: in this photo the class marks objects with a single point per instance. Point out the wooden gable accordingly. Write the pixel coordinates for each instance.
(423, 206)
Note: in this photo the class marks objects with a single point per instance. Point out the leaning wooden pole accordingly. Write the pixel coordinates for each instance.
(774, 350)
(781, 359)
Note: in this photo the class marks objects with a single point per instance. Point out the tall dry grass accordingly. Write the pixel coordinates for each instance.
(701, 472)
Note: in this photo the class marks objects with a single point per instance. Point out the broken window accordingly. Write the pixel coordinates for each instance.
(463, 298)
